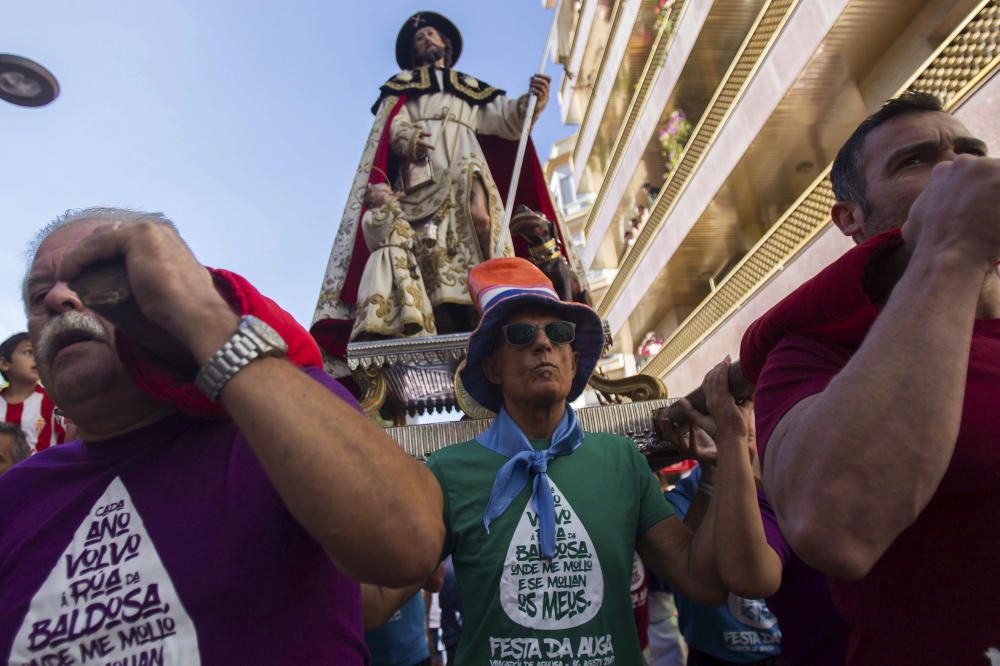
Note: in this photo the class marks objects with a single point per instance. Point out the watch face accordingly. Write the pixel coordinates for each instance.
(266, 333)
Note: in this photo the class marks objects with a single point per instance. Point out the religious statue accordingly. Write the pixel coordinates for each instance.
(541, 235)
(392, 301)
(445, 141)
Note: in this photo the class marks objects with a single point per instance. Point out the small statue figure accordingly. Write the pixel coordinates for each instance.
(392, 300)
(540, 234)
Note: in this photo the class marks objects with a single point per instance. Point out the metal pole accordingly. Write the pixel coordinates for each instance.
(522, 145)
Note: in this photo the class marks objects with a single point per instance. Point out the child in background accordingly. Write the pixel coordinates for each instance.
(23, 402)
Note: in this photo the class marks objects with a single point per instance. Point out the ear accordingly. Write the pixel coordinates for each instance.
(4, 364)
(489, 368)
(849, 218)
(576, 362)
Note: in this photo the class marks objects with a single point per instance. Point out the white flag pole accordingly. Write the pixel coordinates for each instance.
(522, 145)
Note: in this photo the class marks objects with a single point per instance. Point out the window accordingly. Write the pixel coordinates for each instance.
(566, 194)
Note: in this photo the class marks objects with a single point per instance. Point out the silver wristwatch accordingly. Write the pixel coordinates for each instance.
(252, 339)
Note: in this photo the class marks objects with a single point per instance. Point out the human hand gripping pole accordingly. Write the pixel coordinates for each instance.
(672, 422)
(747, 565)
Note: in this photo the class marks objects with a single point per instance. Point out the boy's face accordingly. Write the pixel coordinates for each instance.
(21, 368)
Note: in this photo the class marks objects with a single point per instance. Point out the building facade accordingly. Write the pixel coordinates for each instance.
(699, 167)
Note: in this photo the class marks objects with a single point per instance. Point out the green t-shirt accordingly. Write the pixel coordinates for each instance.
(576, 610)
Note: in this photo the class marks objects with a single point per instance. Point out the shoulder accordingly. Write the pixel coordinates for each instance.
(458, 454)
(333, 386)
(801, 363)
(55, 486)
(418, 78)
(470, 89)
(465, 468)
(798, 367)
(608, 439)
(409, 81)
(50, 459)
(612, 457)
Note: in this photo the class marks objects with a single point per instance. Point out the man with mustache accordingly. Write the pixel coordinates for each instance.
(543, 519)
(214, 522)
(23, 402)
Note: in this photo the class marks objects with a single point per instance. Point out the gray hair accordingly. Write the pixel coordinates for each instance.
(76, 215)
(20, 451)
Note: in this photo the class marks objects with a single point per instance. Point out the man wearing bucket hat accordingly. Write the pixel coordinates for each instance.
(544, 568)
(447, 141)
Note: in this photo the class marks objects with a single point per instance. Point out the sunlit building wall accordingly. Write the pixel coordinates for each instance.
(703, 137)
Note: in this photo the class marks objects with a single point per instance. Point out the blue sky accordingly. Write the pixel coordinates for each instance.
(243, 121)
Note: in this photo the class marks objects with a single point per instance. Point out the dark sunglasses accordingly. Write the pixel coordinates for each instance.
(522, 334)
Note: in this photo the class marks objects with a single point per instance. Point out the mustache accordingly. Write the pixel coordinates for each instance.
(63, 326)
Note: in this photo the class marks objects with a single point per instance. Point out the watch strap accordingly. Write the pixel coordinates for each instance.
(244, 346)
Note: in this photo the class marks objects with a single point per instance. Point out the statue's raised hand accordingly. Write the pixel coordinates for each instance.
(539, 87)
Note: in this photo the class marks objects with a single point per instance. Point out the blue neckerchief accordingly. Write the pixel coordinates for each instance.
(506, 438)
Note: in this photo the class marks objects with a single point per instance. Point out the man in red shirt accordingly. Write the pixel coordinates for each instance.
(875, 403)
(23, 402)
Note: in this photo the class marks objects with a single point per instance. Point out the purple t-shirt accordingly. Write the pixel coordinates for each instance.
(166, 545)
(812, 631)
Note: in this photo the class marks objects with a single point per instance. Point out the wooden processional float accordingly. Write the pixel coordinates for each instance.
(419, 376)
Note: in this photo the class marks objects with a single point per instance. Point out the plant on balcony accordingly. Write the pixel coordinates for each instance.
(661, 20)
(672, 137)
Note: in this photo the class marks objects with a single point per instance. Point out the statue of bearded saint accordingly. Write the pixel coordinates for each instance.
(449, 193)
(436, 132)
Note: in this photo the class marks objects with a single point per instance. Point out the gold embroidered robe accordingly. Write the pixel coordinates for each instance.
(392, 301)
(453, 122)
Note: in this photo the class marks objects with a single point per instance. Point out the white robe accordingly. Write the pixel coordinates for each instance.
(391, 297)
(456, 160)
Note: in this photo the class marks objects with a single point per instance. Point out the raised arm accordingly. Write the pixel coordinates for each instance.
(504, 116)
(685, 559)
(747, 564)
(375, 511)
(848, 469)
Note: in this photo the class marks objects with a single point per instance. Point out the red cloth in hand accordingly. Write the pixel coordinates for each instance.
(161, 382)
(832, 305)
